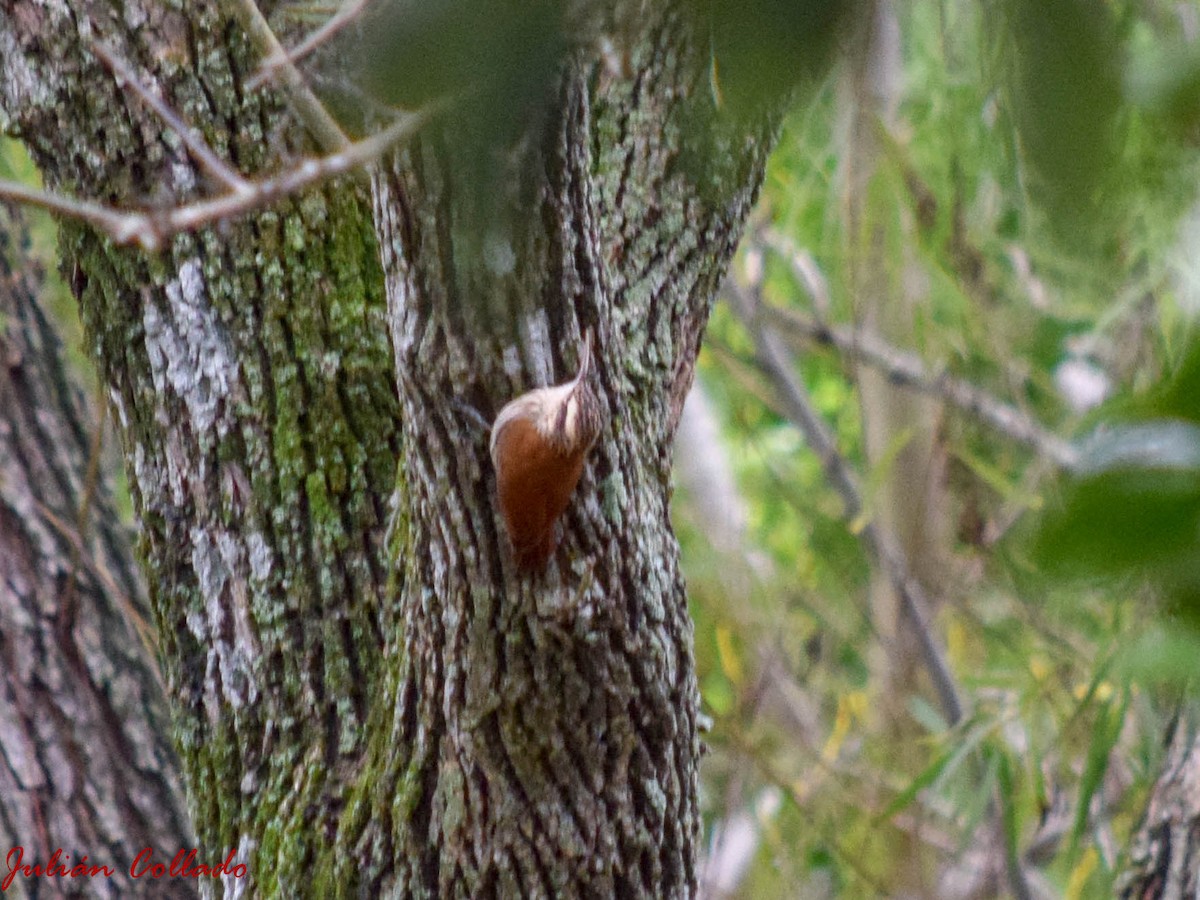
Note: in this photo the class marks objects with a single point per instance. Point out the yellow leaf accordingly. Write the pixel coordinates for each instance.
(956, 644)
(851, 706)
(1080, 874)
(731, 663)
(1102, 694)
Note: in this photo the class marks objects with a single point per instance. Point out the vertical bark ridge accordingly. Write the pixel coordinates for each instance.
(249, 370)
(559, 750)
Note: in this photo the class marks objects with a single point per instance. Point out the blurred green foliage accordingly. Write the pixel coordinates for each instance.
(1134, 508)
(15, 165)
(418, 51)
(761, 51)
(1066, 91)
(491, 68)
(1038, 186)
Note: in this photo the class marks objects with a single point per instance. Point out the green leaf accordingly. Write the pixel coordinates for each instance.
(1181, 397)
(1067, 97)
(1002, 482)
(718, 693)
(1163, 655)
(943, 765)
(762, 49)
(1169, 87)
(1135, 507)
(1109, 721)
(1005, 784)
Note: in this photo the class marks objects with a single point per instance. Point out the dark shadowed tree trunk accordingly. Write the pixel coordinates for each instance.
(405, 716)
(86, 768)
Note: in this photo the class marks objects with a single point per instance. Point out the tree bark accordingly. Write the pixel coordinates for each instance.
(251, 382)
(1165, 850)
(550, 722)
(86, 768)
(461, 729)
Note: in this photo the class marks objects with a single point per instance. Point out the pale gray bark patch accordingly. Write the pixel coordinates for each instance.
(189, 350)
(261, 558)
(224, 626)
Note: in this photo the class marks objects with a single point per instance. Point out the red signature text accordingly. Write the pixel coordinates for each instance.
(184, 866)
(55, 867)
(59, 865)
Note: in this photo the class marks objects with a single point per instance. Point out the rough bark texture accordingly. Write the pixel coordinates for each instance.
(249, 371)
(1165, 856)
(85, 764)
(549, 723)
(463, 730)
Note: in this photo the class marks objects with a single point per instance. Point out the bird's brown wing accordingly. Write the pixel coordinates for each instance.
(534, 489)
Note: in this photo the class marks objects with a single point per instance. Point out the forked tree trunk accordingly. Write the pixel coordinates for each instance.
(573, 691)
(415, 719)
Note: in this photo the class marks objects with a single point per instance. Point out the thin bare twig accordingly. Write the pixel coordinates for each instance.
(149, 228)
(347, 13)
(313, 113)
(112, 221)
(908, 370)
(881, 545)
(96, 569)
(205, 156)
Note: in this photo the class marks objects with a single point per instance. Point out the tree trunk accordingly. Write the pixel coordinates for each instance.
(1164, 853)
(462, 729)
(900, 428)
(85, 765)
(251, 381)
(549, 721)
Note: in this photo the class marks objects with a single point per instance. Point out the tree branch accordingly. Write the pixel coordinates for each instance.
(285, 60)
(205, 156)
(311, 111)
(908, 370)
(879, 543)
(148, 229)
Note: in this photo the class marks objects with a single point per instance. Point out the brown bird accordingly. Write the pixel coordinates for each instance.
(539, 441)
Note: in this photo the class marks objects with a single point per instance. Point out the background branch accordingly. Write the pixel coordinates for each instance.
(204, 155)
(312, 112)
(286, 59)
(880, 545)
(908, 370)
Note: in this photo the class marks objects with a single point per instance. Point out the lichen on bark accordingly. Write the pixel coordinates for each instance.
(409, 716)
(546, 726)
